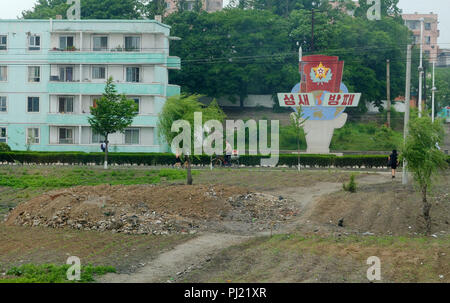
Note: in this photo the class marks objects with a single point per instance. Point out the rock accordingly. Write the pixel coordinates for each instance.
(368, 234)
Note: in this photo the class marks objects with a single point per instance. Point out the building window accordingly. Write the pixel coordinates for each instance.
(3, 73)
(3, 42)
(3, 135)
(132, 43)
(66, 74)
(132, 136)
(100, 43)
(189, 5)
(97, 138)
(132, 74)
(428, 40)
(428, 26)
(34, 42)
(137, 102)
(33, 105)
(65, 104)
(98, 72)
(34, 74)
(32, 135)
(66, 43)
(3, 105)
(427, 53)
(65, 136)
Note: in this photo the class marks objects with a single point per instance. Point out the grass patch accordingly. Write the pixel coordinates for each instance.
(20, 177)
(51, 273)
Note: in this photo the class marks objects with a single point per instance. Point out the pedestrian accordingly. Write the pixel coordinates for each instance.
(393, 162)
(228, 153)
(178, 161)
(103, 146)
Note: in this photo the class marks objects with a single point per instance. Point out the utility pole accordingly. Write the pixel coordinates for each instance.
(421, 68)
(388, 91)
(312, 30)
(407, 98)
(433, 90)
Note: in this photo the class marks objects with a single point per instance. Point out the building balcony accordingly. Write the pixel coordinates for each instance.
(105, 57)
(90, 88)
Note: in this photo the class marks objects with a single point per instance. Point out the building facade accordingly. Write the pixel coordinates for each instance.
(207, 5)
(53, 71)
(430, 34)
(444, 58)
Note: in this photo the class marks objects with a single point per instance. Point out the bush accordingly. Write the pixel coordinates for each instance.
(368, 161)
(4, 147)
(351, 186)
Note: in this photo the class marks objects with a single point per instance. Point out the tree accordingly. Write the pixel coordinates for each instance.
(183, 108)
(90, 9)
(424, 158)
(154, 7)
(112, 113)
(233, 53)
(297, 121)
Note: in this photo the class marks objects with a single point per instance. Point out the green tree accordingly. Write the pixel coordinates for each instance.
(424, 158)
(183, 108)
(90, 9)
(233, 53)
(152, 8)
(112, 113)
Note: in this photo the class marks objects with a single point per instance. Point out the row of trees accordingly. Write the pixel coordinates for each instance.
(251, 47)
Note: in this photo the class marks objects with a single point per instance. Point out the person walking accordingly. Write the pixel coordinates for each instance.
(103, 146)
(393, 162)
(228, 153)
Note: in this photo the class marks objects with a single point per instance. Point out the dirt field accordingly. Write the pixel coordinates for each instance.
(37, 245)
(296, 258)
(236, 206)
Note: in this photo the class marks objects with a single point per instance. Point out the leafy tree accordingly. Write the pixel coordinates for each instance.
(183, 108)
(442, 83)
(112, 113)
(152, 8)
(90, 9)
(424, 158)
(233, 53)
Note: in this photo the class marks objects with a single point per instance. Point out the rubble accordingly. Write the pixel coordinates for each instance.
(150, 209)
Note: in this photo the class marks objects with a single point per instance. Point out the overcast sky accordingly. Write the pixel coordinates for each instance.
(10, 9)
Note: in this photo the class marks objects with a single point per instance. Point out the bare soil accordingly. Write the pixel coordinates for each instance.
(150, 209)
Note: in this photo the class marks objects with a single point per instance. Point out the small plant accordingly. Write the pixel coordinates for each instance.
(351, 186)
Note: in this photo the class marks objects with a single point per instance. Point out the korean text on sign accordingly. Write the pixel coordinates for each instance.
(344, 100)
(295, 99)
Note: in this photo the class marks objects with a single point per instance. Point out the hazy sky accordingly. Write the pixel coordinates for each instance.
(10, 9)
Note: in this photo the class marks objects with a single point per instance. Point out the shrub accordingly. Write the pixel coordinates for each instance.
(319, 161)
(351, 186)
(4, 147)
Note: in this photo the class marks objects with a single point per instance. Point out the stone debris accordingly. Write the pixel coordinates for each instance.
(175, 209)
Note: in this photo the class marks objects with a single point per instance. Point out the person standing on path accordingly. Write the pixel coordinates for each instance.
(393, 162)
(228, 153)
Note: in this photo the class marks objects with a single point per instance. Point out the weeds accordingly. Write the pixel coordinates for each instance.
(51, 273)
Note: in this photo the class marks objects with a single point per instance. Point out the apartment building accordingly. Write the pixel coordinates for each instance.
(430, 34)
(207, 5)
(53, 71)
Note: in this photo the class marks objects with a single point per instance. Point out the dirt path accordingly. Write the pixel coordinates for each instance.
(194, 253)
(183, 257)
